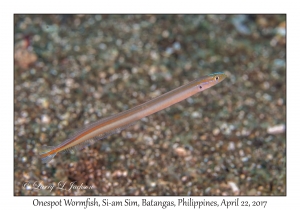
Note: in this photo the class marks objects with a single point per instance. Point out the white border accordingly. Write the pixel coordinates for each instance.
(154, 6)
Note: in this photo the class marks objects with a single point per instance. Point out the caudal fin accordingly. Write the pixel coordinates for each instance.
(43, 153)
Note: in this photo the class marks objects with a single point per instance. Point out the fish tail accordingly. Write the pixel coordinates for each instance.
(43, 153)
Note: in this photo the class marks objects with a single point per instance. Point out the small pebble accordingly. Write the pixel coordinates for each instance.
(216, 131)
(180, 151)
(277, 129)
(233, 187)
(45, 119)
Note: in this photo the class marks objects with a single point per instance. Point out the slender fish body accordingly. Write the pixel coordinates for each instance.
(110, 125)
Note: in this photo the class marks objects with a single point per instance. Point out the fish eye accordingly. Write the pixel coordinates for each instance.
(200, 87)
(217, 78)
